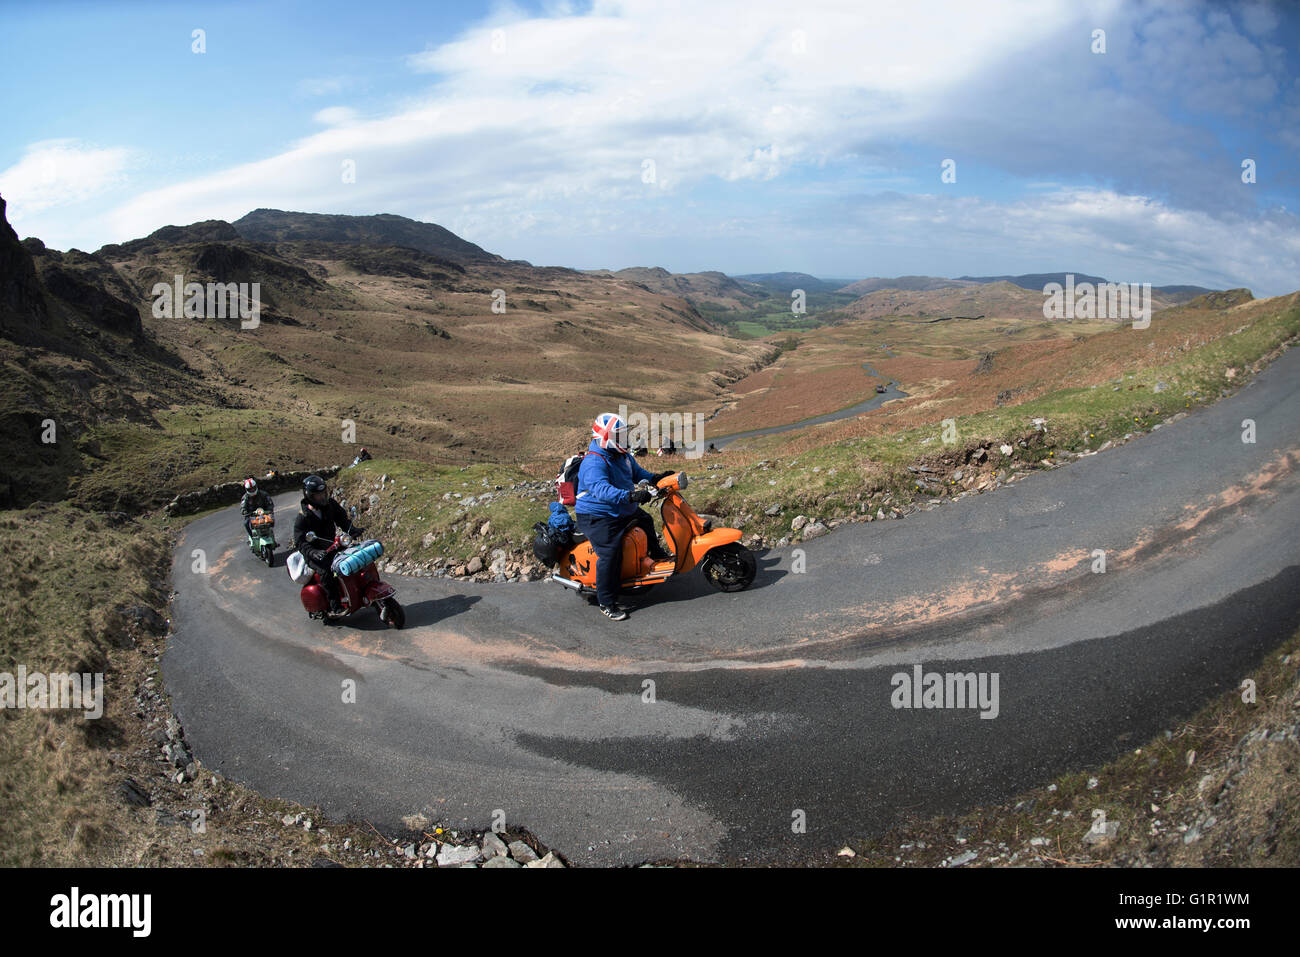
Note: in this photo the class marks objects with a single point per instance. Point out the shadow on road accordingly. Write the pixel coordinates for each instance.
(693, 585)
(435, 610)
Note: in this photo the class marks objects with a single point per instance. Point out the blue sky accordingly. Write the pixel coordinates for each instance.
(783, 137)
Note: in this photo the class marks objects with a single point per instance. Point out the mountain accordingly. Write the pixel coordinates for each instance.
(1170, 295)
(22, 301)
(77, 366)
(913, 283)
(382, 229)
(698, 288)
(430, 358)
(996, 300)
(1036, 280)
(781, 283)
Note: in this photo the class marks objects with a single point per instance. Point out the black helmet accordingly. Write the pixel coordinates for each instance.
(312, 484)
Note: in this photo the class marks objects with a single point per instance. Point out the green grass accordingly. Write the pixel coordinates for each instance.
(421, 498)
(195, 446)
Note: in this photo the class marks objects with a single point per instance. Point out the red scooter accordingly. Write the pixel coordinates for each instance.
(357, 591)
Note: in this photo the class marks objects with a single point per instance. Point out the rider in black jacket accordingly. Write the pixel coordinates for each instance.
(254, 498)
(321, 514)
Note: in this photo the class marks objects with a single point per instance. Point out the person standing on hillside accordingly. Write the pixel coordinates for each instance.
(607, 506)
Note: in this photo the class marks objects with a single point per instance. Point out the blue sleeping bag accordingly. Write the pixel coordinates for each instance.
(560, 524)
(356, 557)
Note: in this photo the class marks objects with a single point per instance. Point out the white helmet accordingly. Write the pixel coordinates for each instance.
(250, 486)
(610, 431)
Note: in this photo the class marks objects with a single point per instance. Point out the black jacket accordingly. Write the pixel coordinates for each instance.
(321, 519)
(251, 503)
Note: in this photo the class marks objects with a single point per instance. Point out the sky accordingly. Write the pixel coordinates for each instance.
(740, 136)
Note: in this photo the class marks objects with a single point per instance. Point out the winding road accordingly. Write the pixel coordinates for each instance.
(521, 697)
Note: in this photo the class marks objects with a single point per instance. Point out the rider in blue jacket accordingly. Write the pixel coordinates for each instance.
(607, 506)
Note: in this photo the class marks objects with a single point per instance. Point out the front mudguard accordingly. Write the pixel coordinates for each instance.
(314, 599)
(701, 545)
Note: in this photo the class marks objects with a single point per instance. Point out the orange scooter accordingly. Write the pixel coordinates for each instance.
(726, 564)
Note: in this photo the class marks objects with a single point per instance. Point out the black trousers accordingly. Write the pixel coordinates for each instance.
(606, 537)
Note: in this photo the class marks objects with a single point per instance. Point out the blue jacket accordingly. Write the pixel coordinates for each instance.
(605, 480)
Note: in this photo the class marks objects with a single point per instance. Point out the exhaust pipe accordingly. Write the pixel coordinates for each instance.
(567, 582)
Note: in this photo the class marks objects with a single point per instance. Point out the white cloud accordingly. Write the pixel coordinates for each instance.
(60, 173)
(541, 126)
(335, 116)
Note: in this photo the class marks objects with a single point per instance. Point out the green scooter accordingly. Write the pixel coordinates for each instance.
(261, 542)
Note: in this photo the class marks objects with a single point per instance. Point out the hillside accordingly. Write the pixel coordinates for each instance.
(713, 289)
(780, 283)
(74, 357)
(911, 283)
(404, 344)
(1172, 295)
(382, 229)
(1001, 300)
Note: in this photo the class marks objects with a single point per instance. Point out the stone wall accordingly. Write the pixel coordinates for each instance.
(228, 493)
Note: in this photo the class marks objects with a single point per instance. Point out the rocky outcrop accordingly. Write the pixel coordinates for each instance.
(1221, 300)
(91, 287)
(22, 305)
(211, 230)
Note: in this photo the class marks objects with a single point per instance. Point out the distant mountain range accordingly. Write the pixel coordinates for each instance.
(713, 288)
(1037, 280)
(782, 282)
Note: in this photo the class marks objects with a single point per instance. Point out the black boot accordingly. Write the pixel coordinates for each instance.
(332, 592)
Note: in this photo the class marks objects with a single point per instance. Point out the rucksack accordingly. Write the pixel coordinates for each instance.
(566, 483)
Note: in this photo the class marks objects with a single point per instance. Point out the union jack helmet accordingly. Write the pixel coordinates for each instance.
(250, 486)
(610, 431)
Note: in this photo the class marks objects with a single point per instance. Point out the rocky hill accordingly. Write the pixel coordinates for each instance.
(1166, 296)
(447, 356)
(1001, 300)
(383, 229)
(698, 288)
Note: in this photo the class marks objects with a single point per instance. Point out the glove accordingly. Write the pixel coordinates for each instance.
(639, 496)
(358, 532)
(660, 476)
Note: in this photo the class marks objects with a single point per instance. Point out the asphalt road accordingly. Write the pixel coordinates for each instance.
(521, 697)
